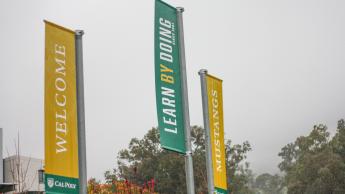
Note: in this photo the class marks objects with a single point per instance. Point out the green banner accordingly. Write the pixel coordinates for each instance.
(220, 191)
(168, 78)
(59, 184)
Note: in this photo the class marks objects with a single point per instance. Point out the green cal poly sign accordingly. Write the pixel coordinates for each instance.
(168, 81)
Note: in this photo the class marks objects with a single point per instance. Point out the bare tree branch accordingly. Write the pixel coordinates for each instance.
(18, 169)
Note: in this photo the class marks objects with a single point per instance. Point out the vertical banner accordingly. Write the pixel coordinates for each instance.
(60, 109)
(168, 79)
(215, 131)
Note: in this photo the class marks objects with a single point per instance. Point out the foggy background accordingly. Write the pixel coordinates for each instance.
(282, 63)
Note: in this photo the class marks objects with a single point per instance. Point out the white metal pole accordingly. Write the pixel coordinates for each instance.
(1, 158)
(81, 112)
(188, 157)
(210, 183)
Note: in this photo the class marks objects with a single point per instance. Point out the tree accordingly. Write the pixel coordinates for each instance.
(315, 164)
(118, 187)
(240, 177)
(145, 159)
(19, 169)
(269, 184)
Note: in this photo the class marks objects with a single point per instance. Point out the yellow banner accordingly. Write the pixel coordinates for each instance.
(60, 102)
(215, 109)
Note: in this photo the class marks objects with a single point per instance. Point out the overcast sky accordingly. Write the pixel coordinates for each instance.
(282, 62)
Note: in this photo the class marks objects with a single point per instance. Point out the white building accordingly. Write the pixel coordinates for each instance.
(20, 173)
(25, 172)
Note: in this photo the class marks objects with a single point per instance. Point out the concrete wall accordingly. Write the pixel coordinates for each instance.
(28, 172)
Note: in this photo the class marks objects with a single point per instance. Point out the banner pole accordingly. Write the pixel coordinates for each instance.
(188, 157)
(1, 157)
(210, 184)
(81, 112)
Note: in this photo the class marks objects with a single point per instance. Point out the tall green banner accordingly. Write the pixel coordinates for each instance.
(168, 78)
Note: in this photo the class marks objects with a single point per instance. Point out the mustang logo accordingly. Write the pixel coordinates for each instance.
(50, 182)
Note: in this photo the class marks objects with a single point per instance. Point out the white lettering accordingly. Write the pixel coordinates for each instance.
(169, 121)
(62, 86)
(168, 92)
(171, 130)
(60, 144)
(61, 128)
